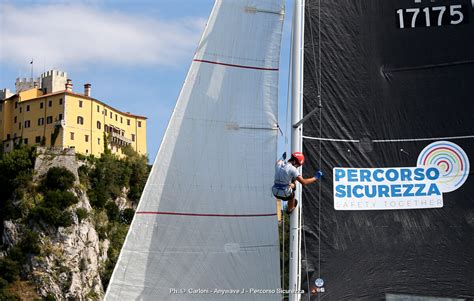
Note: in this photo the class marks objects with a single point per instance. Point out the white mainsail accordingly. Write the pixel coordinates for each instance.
(207, 219)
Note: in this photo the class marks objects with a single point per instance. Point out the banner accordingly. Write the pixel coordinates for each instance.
(442, 167)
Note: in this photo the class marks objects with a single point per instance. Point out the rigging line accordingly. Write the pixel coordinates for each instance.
(257, 128)
(429, 66)
(320, 142)
(308, 292)
(283, 248)
(330, 139)
(391, 140)
(315, 110)
(288, 96)
(279, 128)
(287, 149)
(318, 68)
(314, 55)
(424, 139)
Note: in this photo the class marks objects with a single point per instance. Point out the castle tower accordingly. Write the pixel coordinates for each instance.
(23, 84)
(5, 93)
(53, 81)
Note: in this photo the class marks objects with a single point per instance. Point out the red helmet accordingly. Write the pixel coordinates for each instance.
(298, 157)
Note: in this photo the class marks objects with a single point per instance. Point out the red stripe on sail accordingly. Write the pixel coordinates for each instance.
(237, 66)
(204, 214)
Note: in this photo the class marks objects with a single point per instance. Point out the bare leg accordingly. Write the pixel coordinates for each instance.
(291, 204)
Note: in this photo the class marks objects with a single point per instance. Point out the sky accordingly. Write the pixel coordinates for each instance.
(135, 53)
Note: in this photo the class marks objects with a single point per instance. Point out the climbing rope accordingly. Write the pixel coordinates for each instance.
(318, 68)
(320, 135)
(287, 150)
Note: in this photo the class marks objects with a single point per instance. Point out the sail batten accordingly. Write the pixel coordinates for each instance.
(207, 219)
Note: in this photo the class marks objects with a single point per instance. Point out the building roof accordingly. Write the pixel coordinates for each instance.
(82, 96)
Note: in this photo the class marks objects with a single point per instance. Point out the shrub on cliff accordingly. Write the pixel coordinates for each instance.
(56, 198)
(16, 170)
(58, 178)
(110, 175)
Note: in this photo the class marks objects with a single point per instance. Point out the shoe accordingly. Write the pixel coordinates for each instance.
(292, 209)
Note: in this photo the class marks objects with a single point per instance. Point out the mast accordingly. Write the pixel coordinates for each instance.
(296, 144)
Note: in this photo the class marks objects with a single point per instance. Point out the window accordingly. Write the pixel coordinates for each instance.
(105, 112)
(86, 138)
(106, 128)
(99, 125)
(80, 120)
(25, 141)
(139, 124)
(128, 121)
(110, 114)
(87, 151)
(49, 119)
(27, 124)
(28, 108)
(133, 137)
(121, 120)
(20, 109)
(14, 119)
(41, 105)
(72, 135)
(1, 107)
(50, 103)
(19, 125)
(38, 139)
(98, 109)
(116, 118)
(98, 141)
(16, 105)
(80, 103)
(60, 101)
(40, 121)
(8, 136)
(60, 116)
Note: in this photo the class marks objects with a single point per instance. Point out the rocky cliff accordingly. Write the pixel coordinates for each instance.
(70, 260)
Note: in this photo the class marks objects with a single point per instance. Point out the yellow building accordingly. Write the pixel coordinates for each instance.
(47, 112)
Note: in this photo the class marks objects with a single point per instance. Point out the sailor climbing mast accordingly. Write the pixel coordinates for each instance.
(297, 45)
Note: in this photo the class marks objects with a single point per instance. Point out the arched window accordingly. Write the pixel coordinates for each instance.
(80, 120)
(99, 125)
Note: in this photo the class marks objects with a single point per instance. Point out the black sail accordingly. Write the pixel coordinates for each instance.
(390, 86)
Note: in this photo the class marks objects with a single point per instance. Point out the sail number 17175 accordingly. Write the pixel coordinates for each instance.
(432, 16)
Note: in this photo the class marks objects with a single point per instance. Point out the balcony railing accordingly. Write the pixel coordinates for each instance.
(118, 139)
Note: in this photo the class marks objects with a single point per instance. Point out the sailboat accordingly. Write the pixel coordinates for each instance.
(206, 227)
(385, 106)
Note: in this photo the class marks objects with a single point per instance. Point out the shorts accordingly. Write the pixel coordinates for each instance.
(283, 193)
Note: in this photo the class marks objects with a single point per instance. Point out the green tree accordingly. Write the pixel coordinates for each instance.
(113, 212)
(107, 179)
(58, 178)
(126, 216)
(53, 209)
(9, 269)
(139, 173)
(16, 169)
(81, 214)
